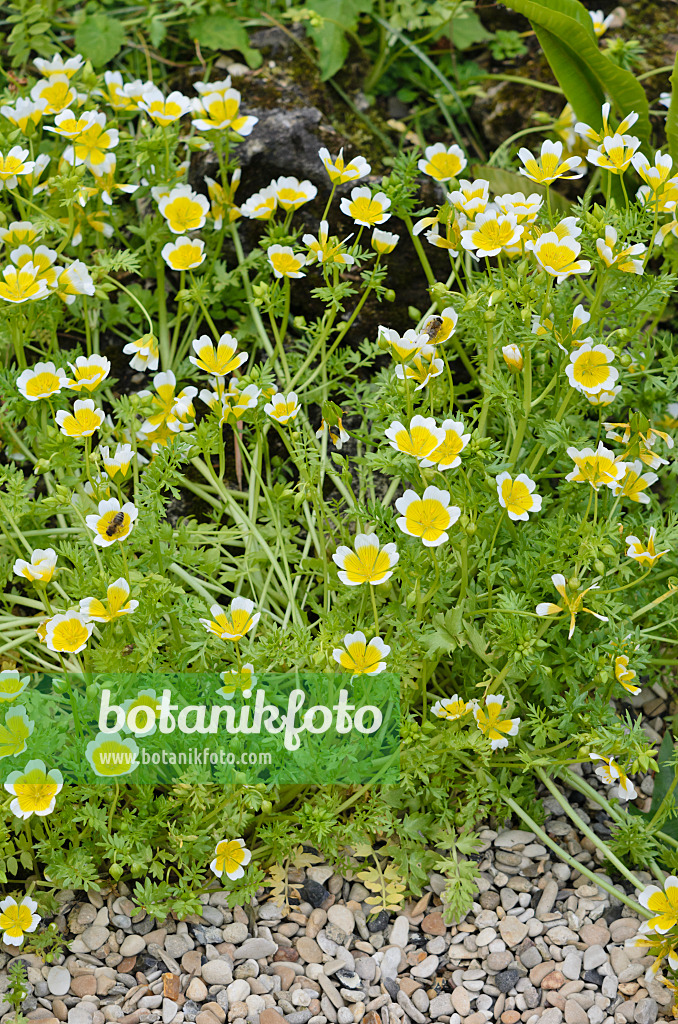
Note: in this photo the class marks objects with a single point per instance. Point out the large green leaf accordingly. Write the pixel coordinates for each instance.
(339, 19)
(672, 118)
(100, 38)
(565, 30)
(222, 32)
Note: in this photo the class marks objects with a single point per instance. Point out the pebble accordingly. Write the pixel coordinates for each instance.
(132, 944)
(255, 949)
(58, 981)
(512, 930)
(426, 968)
(217, 972)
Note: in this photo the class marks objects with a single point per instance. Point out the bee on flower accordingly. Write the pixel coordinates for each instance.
(327, 250)
(644, 553)
(516, 495)
(451, 708)
(41, 381)
(491, 232)
(427, 517)
(88, 373)
(442, 163)
(361, 657)
(612, 774)
(491, 724)
(233, 624)
(83, 421)
(231, 857)
(571, 603)
(112, 521)
(18, 919)
(622, 258)
(549, 165)
(183, 209)
(420, 440)
(41, 566)
(340, 171)
(589, 368)
(597, 467)
(145, 352)
(366, 562)
(34, 789)
(440, 327)
(471, 197)
(365, 208)
(116, 604)
(283, 408)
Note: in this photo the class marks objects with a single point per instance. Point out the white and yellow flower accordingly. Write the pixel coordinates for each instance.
(233, 624)
(516, 495)
(621, 258)
(41, 566)
(56, 65)
(595, 467)
(221, 361)
(88, 373)
(116, 604)
(68, 632)
(112, 522)
(283, 408)
(91, 145)
(113, 92)
(56, 92)
(614, 153)
(471, 197)
(340, 170)
(613, 774)
(183, 209)
(141, 713)
(625, 675)
(326, 249)
(18, 728)
(220, 111)
(644, 553)
(238, 680)
(366, 562)
(558, 255)
(233, 401)
(231, 857)
(663, 903)
(513, 357)
(427, 517)
(184, 253)
(23, 284)
(74, 280)
(604, 398)
(110, 755)
(361, 657)
(549, 165)
(589, 369)
(442, 163)
(451, 708)
(422, 367)
(12, 685)
(285, 261)
(491, 724)
(571, 603)
(119, 461)
(439, 327)
(420, 440)
(34, 790)
(491, 232)
(261, 205)
(145, 352)
(17, 919)
(524, 208)
(25, 114)
(41, 381)
(448, 453)
(19, 232)
(163, 110)
(383, 242)
(13, 166)
(292, 193)
(365, 208)
(635, 483)
(83, 421)
(600, 22)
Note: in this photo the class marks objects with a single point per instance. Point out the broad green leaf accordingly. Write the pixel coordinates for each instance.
(99, 38)
(338, 18)
(468, 30)
(665, 774)
(502, 181)
(222, 32)
(672, 118)
(582, 70)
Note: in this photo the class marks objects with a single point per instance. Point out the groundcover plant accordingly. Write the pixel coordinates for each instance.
(480, 506)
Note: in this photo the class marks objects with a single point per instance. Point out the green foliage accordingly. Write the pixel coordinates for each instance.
(99, 38)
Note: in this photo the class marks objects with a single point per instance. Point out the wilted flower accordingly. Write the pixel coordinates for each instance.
(326, 250)
(145, 352)
(645, 553)
(361, 657)
(516, 495)
(231, 858)
(635, 483)
(625, 675)
(572, 604)
(366, 562)
(422, 367)
(41, 566)
(428, 516)
(613, 774)
(234, 624)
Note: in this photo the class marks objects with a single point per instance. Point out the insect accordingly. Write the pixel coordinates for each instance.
(115, 524)
(432, 328)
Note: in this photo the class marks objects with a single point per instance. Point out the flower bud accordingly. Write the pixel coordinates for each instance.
(574, 583)
(513, 358)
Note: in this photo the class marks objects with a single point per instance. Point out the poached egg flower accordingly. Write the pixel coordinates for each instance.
(589, 368)
(365, 208)
(644, 553)
(570, 603)
(516, 496)
(17, 919)
(427, 517)
(420, 440)
(595, 467)
(491, 724)
(361, 657)
(366, 562)
(41, 566)
(233, 624)
(113, 521)
(442, 163)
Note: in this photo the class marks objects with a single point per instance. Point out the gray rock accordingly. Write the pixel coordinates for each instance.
(426, 968)
(58, 981)
(400, 931)
(506, 980)
(594, 956)
(235, 933)
(257, 949)
(646, 1011)
(217, 972)
(390, 962)
(132, 944)
(410, 1009)
(441, 1006)
(169, 1011)
(95, 936)
(551, 1016)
